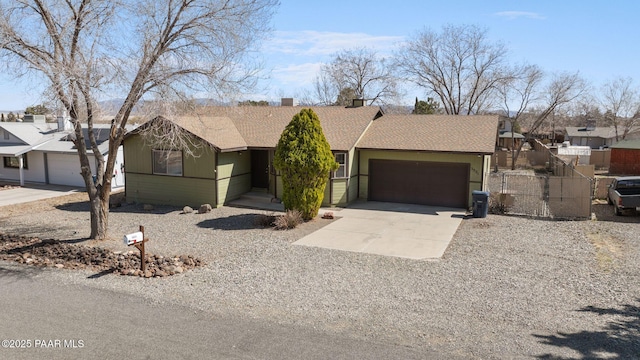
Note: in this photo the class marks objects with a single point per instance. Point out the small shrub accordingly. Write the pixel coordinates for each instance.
(497, 208)
(289, 220)
(265, 220)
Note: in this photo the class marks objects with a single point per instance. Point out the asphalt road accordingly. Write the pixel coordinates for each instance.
(43, 320)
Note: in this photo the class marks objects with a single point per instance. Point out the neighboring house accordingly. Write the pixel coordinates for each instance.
(547, 134)
(48, 154)
(437, 160)
(625, 158)
(595, 137)
(508, 139)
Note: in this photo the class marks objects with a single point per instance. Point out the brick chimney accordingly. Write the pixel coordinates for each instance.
(288, 102)
(358, 102)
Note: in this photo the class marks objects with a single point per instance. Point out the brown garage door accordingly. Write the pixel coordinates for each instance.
(419, 182)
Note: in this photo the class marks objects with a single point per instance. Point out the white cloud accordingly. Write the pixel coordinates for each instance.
(297, 74)
(512, 15)
(317, 43)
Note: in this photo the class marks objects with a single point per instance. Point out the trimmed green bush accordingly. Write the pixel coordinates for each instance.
(304, 158)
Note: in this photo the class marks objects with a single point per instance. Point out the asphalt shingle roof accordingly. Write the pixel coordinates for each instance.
(236, 128)
(261, 126)
(627, 144)
(446, 133)
(30, 133)
(598, 132)
(219, 131)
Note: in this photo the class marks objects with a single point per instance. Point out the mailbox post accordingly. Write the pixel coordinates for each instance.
(138, 239)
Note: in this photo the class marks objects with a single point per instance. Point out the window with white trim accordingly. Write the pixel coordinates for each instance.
(341, 159)
(167, 162)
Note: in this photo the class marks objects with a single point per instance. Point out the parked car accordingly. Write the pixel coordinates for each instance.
(624, 194)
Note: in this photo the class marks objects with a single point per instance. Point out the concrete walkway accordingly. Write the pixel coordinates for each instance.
(33, 192)
(402, 230)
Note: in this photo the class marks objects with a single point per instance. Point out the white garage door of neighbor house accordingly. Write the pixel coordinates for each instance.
(64, 169)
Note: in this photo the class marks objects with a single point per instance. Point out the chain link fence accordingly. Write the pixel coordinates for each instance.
(557, 191)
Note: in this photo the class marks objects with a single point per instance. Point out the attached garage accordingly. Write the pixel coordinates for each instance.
(435, 160)
(64, 169)
(419, 182)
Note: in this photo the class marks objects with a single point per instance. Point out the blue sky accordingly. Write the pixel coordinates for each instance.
(596, 38)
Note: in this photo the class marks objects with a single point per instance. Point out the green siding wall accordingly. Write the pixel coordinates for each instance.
(202, 166)
(170, 190)
(353, 188)
(234, 175)
(231, 188)
(137, 156)
(476, 173)
(340, 192)
(353, 174)
(197, 186)
(233, 164)
(339, 189)
(138, 159)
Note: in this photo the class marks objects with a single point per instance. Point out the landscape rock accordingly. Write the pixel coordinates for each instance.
(61, 255)
(187, 210)
(204, 208)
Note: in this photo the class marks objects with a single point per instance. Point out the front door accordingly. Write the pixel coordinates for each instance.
(260, 169)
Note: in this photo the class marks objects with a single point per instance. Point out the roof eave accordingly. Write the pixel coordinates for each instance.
(469, 152)
(241, 148)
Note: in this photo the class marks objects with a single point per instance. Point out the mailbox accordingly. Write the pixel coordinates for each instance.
(136, 237)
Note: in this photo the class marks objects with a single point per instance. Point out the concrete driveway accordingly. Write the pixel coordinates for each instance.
(33, 192)
(402, 230)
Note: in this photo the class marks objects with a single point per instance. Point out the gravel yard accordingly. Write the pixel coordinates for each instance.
(507, 287)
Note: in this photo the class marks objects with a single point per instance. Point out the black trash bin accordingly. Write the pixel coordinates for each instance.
(480, 203)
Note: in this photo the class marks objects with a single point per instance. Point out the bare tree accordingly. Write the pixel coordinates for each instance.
(359, 70)
(85, 49)
(325, 92)
(560, 91)
(620, 101)
(586, 109)
(517, 93)
(458, 65)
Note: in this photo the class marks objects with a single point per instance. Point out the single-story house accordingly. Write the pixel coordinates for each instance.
(42, 152)
(507, 140)
(625, 158)
(423, 159)
(596, 137)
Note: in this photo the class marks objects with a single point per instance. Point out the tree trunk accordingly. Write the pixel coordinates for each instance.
(513, 148)
(99, 215)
